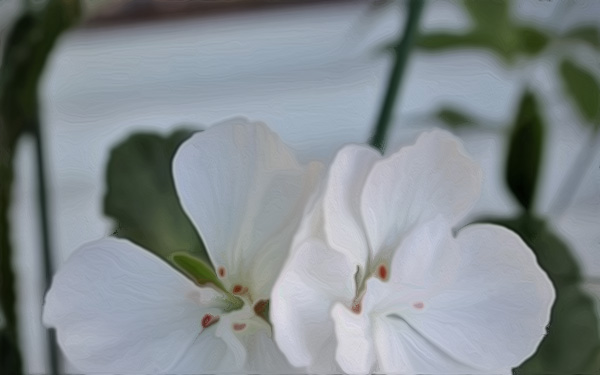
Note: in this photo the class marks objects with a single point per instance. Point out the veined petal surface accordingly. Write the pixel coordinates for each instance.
(245, 192)
(119, 308)
(432, 177)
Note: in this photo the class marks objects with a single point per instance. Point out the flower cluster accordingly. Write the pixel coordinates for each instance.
(353, 268)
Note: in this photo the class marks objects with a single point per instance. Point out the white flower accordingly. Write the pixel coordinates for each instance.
(119, 308)
(377, 279)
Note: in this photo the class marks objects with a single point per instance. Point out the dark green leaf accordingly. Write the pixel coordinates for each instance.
(586, 34)
(442, 41)
(583, 87)
(572, 345)
(488, 13)
(141, 196)
(196, 269)
(455, 118)
(525, 152)
(532, 41)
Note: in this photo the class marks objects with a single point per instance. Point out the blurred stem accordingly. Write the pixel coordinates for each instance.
(575, 175)
(401, 53)
(42, 188)
(10, 358)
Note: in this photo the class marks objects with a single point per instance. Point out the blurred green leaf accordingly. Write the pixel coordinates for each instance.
(532, 41)
(586, 34)
(141, 195)
(572, 345)
(454, 118)
(583, 87)
(492, 30)
(488, 13)
(525, 152)
(199, 271)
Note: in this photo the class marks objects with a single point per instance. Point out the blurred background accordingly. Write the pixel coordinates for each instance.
(517, 81)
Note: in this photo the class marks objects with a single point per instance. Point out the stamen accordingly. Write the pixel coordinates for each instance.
(221, 271)
(260, 306)
(382, 272)
(239, 326)
(238, 289)
(418, 305)
(208, 320)
(356, 307)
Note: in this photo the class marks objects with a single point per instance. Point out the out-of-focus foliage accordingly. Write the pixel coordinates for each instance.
(572, 345)
(583, 87)
(141, 195)
(525, 151)
(585, 34)
(25, 53)
(493, 30)
(455, 119)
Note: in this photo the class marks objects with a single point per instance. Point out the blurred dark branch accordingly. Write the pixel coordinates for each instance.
(28, 46)
(401, 54)
(140, 11)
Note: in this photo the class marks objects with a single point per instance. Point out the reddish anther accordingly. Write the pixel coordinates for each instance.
(208, 320)
(382, 271)
(418, 305)
(221, 271)
(356, 307)
(239, 326)
(238, 289)
(261, 306)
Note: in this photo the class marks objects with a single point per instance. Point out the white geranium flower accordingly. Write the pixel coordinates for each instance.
(118, 308)
(377, 279)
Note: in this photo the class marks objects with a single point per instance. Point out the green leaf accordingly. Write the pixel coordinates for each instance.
(455, 118)
(442, 41)
(586, 34)
(572, 345)
(525, 152)
(196, 269)
(141, 195)
(488, 13)
(583, 87)
(532, 41)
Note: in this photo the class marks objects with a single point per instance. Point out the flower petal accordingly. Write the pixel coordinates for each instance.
(494, 313)
(118, 308)
(402, 350)
(354, 353)
(245, 193)
(415, 184)
(341, 209)
(313, 279)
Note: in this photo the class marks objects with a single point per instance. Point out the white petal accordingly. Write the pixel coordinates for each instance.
(207, 352)
(118, 308)
(415, 184)
(494, 314)
(313, 279)
(402, 350)
(426, 261)
(264, 356)
(245, 193)
(355, 352)
(341, 208)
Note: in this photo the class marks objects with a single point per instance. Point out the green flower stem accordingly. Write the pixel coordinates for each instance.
(401, 53)
(11, 358)
(46, 249)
